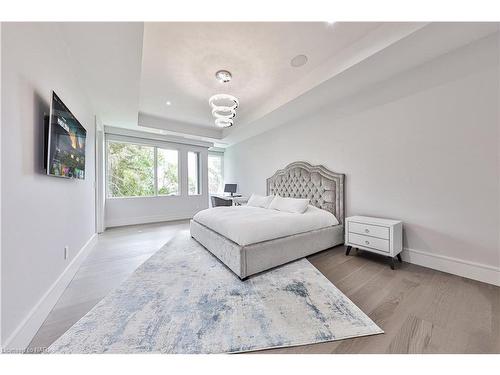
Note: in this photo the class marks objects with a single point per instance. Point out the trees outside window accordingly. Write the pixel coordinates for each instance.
(215, 173)
(168, 172)
(193, 173)
(130, 170)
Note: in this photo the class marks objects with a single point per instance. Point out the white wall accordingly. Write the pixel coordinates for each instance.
(100, 193)
(1, 340)
(138, 210)
(422, 147)
(40, 214)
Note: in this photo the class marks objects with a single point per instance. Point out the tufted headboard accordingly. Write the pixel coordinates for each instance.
(324, 188)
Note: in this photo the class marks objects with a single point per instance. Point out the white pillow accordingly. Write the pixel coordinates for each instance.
(260, 201)
(293, 205)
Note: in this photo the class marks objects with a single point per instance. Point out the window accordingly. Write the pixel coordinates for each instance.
(150, 170)
(215, 173)
(130, 170)
(167, 172)
(193, 173)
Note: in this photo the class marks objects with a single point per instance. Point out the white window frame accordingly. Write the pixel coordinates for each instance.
(179, 193)
(221, 155)
(199, 173)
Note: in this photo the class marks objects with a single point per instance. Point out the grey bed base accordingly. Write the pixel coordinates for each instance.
(251, 259)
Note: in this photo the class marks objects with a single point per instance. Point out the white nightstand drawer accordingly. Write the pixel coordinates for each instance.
(367, 241)
(369, 230)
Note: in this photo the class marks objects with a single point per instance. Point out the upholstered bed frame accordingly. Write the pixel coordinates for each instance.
(324, 188)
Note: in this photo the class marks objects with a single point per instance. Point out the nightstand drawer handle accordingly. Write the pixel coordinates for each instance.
(367, 242)
(367, 230)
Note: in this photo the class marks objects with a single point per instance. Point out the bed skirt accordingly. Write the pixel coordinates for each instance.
(251, 259)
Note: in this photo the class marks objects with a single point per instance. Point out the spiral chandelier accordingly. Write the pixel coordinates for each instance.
(223, 105)
(223, 109)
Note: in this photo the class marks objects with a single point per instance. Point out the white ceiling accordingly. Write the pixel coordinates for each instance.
(130, 70)
(108, 57)
(410, 52)
(179, 62)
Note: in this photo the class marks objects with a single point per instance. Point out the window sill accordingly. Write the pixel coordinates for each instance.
(145, 197)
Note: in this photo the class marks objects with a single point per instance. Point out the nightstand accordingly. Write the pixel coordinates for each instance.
(380, 236)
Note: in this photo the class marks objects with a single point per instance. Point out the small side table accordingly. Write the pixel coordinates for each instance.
(380, 236)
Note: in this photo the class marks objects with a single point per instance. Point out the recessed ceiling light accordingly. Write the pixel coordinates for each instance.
(168, 102)
(223, 76)
(298, 61)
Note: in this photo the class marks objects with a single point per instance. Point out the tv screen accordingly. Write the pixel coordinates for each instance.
(65, 142)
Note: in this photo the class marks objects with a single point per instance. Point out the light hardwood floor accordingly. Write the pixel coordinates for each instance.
(420, 310)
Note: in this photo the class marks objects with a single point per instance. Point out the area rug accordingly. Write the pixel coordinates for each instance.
(184, 300)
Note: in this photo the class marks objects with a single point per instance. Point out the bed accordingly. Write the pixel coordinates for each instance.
(249, 240)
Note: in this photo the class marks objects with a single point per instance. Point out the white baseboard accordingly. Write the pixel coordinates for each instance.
(120, 222)
(471, 270)
(24, 333)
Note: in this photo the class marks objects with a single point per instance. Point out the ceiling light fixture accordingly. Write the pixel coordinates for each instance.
(168, 102)
(223, 76)
(298, 61)
(223, 109)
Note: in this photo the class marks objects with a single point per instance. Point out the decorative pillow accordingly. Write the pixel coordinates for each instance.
(260, 201)
(293, 205)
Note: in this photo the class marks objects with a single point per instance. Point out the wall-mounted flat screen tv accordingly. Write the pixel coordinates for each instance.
(65, 142)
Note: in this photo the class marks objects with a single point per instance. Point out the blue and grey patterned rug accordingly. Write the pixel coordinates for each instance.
(183, 300)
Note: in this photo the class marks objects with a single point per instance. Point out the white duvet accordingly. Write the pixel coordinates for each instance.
(247, 225)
